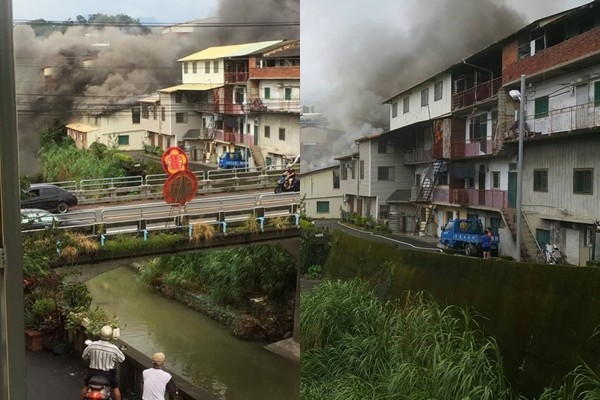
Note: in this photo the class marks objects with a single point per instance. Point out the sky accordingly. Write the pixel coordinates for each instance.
(356, 54)
(62, 10)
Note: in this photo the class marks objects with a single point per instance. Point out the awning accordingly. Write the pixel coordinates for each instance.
(82, 128)
(571, 218)
(399, 196)
(198, 87)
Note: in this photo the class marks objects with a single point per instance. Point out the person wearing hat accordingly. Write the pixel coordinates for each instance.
(156, 381)
(103, 357)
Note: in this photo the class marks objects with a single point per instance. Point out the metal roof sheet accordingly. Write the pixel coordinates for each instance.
(191, 86)
(235, 50)
(82, 127)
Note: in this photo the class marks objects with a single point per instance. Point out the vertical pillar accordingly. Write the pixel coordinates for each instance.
(12, 326)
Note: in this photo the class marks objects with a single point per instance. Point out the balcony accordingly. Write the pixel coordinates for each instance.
(235, 77)
(566, 119)
(204, 107)
(233, 137)
(476, 94)
(475, 197)
(472, 148)
(417, 156)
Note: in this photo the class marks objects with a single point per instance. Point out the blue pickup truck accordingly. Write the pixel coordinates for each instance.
(465, 235)
(231, 160)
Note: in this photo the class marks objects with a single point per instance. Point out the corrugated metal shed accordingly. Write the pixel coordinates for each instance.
(236, 50)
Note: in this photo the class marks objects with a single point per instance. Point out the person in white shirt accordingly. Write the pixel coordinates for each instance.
(156, 381)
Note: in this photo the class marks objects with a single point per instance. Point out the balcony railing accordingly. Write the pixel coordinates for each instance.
(566, 119)
(237, 138)
(417, 156)
(234, 77)
(472, 148)
(475, 197)
(258, 104)
(476, 94)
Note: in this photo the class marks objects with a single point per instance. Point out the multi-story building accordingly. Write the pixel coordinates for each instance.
(117, 125)
(457, 135)
(228, 96)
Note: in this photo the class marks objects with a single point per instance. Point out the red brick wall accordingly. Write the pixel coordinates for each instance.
(574, 48)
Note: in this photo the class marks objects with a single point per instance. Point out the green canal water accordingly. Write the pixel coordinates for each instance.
(196, 347)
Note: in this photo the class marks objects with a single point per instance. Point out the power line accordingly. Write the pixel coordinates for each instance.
(257, 24)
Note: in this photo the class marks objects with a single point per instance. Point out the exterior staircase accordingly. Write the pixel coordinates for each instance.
(259, 159)
(529, 246)
(425, 195)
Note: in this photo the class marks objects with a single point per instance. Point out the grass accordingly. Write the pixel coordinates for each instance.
(358, 347)
(202, 232)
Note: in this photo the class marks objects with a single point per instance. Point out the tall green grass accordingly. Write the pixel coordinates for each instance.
(228, 276)
(356, 347)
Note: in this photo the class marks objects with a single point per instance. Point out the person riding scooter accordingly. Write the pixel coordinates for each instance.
(289, 175)
(103, 357)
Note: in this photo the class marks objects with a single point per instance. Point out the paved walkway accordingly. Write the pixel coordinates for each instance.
(52, 377)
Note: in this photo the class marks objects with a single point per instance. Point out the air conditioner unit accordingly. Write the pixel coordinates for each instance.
(256, 121)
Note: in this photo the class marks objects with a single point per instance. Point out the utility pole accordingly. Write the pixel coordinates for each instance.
(12, 325)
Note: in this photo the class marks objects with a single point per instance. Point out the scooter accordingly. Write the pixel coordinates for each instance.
(98, 388)
(295, 187)
(553, 255)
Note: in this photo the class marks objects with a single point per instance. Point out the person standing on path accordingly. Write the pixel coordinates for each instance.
(156, 381)
(486, 242)
(103, 357)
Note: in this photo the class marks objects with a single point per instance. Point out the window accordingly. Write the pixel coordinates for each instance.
(216, 66)
(479, 127)
(281, 133)
(239, 96)
(495, 180)
(582, 181)
(267, 93)
(385, 173)
(469, 183)
(123, 140)
(344, 171)
(381, 146)
(162, 113)
(267, 131)
(597, 93)
(425, 97)
(145, 112)
(438, 91)
(178, 97)
(135, 115)
(288, 93)
(541, 107)
(322, 207)
(405, 105)
(185, 68)
(194, 67)
(154, 112)
(394, 109)
(336, 178)
(361, 173)
(353, 170)
(540, 180)
(207, 67)
(181, 118)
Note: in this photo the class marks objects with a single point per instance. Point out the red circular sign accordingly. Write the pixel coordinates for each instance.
(174, 160)
(180, 187)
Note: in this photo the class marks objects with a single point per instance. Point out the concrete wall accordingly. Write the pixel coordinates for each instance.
(542, 316)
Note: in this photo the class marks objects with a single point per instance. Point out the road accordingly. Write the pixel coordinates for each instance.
(402, 241)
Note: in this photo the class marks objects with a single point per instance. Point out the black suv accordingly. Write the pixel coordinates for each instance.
(48, 197)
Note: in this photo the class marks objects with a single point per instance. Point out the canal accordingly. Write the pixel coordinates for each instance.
(197, 348)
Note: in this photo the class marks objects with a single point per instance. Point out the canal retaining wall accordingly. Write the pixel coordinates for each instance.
(544, 317)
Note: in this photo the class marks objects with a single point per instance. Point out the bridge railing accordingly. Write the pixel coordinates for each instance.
(158, 216)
